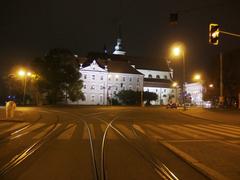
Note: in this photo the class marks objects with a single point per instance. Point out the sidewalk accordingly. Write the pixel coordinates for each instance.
(220, 115)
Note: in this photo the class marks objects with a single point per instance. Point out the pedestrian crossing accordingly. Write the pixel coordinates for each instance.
(156, 131)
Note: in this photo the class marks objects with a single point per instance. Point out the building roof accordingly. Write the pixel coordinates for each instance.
(112, 66)
(139, 62)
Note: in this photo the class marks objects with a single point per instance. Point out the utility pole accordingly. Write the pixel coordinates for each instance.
(221, 99)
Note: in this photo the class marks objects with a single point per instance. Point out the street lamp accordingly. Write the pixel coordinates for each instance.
(178, 50)
(24, 74)
(197, 77)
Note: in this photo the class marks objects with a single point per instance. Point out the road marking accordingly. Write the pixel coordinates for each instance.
(220, 130)
(159, 133)
(185, 133)
(45, 131)
(212, 131)
(203, 134)
(194, 162)
(68, 133)
(227, 128)
(139, 128)
(85, 132)
(14, 127)
(126, 131)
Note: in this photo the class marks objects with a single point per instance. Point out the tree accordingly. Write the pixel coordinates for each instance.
(59, 76)
(129, 97)
(149, 96)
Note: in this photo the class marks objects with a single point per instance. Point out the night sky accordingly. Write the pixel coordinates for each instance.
(30, 28)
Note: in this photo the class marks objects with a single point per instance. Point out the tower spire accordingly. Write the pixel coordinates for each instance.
(119, 50)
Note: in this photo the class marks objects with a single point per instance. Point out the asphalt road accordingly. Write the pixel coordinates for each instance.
(117, 143)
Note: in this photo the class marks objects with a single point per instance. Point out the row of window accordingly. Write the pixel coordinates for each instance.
(122, 87)
(93, 77)
(157, 76)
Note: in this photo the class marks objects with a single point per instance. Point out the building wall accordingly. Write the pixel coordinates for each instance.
(165, 95)
(196, 92)
(99, 84)
(155, 74)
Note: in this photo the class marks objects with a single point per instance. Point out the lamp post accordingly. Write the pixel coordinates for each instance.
(23, 74)
(179, 51)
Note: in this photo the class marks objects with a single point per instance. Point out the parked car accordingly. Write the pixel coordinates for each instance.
(172, 106)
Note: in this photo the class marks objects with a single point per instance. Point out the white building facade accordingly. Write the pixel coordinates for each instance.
(101, 81)
(196, 92)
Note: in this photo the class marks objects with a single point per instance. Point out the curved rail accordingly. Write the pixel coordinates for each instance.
(16, 133)
(161, 169)
(28, 151)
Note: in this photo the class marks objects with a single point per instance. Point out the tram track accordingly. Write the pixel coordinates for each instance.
(55, 129)
(145, 146)
(16, 133)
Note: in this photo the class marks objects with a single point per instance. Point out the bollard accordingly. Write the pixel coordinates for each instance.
(10, 109)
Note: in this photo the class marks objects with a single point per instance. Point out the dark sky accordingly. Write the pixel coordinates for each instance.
(29, 28)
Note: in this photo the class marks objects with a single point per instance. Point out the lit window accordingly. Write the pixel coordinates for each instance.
(149, 76)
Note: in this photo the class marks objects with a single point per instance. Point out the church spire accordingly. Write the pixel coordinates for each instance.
(119, 50)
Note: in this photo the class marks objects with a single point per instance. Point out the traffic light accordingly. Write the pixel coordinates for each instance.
(173, 18)
(214, 34)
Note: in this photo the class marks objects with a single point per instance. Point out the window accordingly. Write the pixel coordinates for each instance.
(85, 76)
(101, 99)
(165, 76)
(116, 77)
(124, 78)
(137, 79)
(149, 76)
(121, 85)
(101, 87)
(92, 98)
(101, 77)
(158, 77)
(92, 87)
(109, 77)
(84, 86)
(130, 79)
(93, 77)
(130, 87)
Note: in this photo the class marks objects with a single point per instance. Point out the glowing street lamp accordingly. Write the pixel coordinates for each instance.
(177, 51)
(211, 85)
(197, 77)
(23, 74)
(175, 84)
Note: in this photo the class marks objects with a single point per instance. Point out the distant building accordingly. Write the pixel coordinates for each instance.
(104, 75)
(196, 92)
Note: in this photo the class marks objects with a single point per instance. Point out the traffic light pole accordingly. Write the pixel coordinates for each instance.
(221, 99)
(231, 34)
